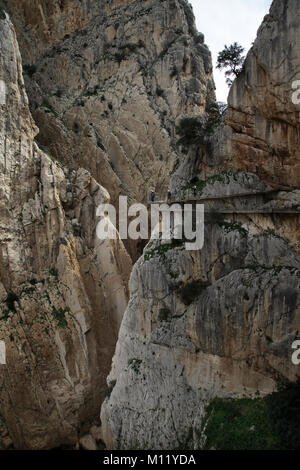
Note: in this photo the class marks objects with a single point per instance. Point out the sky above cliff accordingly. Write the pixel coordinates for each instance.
(225, 22)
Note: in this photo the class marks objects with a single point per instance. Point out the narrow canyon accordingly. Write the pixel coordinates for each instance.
(123, 344)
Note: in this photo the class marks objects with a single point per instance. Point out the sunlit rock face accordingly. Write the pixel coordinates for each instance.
(220, 321)
(62, 291)
(106, 83)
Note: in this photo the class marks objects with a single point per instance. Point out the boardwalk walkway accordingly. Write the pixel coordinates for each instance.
(191, 199)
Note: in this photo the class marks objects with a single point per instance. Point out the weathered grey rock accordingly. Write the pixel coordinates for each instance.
(220, 321)
(63, 292)
(179, 345)
(107, 83)
(124, 79)
(262, 115)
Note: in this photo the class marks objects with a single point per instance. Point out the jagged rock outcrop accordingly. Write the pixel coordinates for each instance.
(220, 321)
(40, 24)
(106, 82)
(126, 72)
(263, 118)
(261, 132)
(62, 291)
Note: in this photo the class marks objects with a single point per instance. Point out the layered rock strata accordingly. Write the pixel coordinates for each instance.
(62, 291)
(220, 322)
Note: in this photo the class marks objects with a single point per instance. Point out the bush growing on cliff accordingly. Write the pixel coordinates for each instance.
(231, 58)
(215, 114)
(48, 108)
(191, 291)
(162, 249)
(135, 364)
(197, 130)
(125, 50)
(60, 316)
(159, 91)
(191, 131)
(164, 314)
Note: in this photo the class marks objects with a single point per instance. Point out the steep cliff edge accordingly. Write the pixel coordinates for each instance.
(62, 292)
(220, 322)
(262, 116)
(127, 71)
(106, 82)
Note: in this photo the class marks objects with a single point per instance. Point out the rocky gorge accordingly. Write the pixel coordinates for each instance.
(146, 336)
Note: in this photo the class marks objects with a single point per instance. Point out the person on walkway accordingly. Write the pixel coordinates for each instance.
(195, 190)
(152, 195)
(169, 195)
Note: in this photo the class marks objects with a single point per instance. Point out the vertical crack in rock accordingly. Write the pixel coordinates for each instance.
(107, 85)
(220, 322)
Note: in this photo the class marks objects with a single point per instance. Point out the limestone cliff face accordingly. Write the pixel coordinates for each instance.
(40, 24)
(261, 131)
(62, 291)
(220, 321)
(107, 82)
(262, 116)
